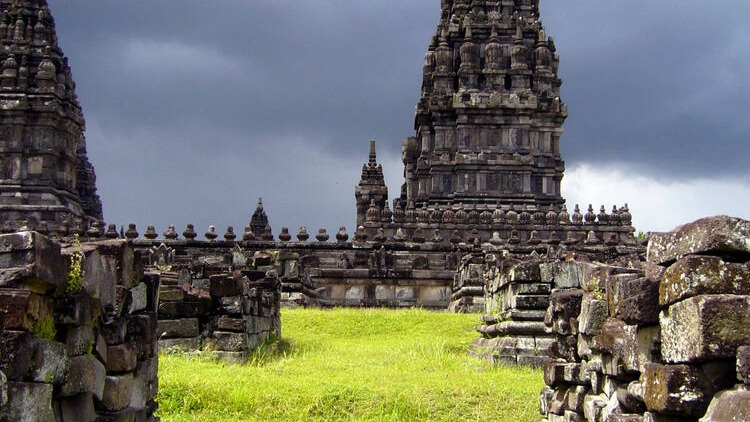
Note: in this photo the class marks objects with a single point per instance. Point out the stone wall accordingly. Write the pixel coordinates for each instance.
(666, 343)
(79, 350)
(515, 287)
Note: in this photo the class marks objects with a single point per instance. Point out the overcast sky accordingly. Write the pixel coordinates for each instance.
(196, 108)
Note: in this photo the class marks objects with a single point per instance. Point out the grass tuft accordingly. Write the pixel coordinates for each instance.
(353, 364)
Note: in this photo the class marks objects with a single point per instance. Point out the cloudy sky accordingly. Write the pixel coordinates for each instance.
(196, 108)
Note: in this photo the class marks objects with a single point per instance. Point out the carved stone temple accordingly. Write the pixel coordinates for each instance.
(482, 173)
(45, 176)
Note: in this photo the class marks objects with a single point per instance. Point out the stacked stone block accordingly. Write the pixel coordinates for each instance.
(70, 351)
(517, 295)
(665, 343)
(226, 314)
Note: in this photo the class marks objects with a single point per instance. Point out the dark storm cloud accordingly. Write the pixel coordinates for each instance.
(194, 102)
(658, 85)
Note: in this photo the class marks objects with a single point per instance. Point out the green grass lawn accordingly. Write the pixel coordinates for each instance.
(350, 364)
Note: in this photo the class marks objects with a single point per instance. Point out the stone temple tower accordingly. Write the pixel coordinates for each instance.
(45, 176)
(489, 120)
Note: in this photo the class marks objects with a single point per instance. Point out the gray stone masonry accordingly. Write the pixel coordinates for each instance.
(75, 350)
(650, 344)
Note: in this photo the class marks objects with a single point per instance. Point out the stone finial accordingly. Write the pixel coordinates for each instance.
(552, 216)
(373, 154)
(564, 217)
(524, 217)
(229, 236)
(539, 216)
(95, 230)
(495, 240)
(399, 236)
(625, 216)
(398, 213)
(436, 216)
(171, 233)
(372, 215)
(485, 217)
(302, 234)
(418, 236)
(473, 216)
(437, 237)
(590, 217)
(591, 238)
(322, 235)
(211, 234)
(189, 233)
(268, 234)
(342, 236)
(614, 218)
(150, 233)
(514, 238)
(449, 217)
(577, 217)
(498, 216)
(111, 232)
(534, 238)
(386, 215)
(380, 235)
(602, 216)
(285, 236)
(131, 233)
(360, 235)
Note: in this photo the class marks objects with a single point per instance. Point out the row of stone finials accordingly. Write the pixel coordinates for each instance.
(96, 231)
(619, 216)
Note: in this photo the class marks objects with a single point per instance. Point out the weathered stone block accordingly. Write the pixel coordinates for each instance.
(125, 415)
(184, 309)
(637, 301)
(15, 358)
(563, 275)
(185, 327)
(77, 309)
(594, 314)
(78, 408)
(28, 258)
(576, 397)
(145, 383)
(222, 285)
(232, 305)
(545, 397)
(611, 409)
(22, 309)
(171, 293)
(139, 298)
(729, 406)
(79, 339)
(630, 403)
(117, 392)
(3, 390)
(50, 362)
(592, 407)
(705, 327)
(708, 236)
(700, 275)
(678, 390)
(743, 364)
(142, 331)
(225, 323)
(565, 306)
(527, 271)
(183, 344)
(114, 331)
(121, 358)
(86, 375)
(30, 402)
(227, 342)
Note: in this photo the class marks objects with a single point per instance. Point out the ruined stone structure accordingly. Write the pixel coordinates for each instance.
(486, 155)
(76, 348)
(667, 342)
(45, 177)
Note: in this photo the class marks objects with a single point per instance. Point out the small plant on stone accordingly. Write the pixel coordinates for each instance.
(75, 273)
(45, 329)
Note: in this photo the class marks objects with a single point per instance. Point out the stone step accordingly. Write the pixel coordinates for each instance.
(512, 328)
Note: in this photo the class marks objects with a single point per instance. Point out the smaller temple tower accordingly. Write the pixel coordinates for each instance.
(259, 220)
(45, 177)
(371, 193)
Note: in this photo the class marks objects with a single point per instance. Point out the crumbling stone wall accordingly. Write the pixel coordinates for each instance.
(218, 299)
(516, 286)
(669, 342)
(75, 351)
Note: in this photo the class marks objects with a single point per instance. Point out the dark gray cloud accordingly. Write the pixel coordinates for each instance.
(197, 107)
